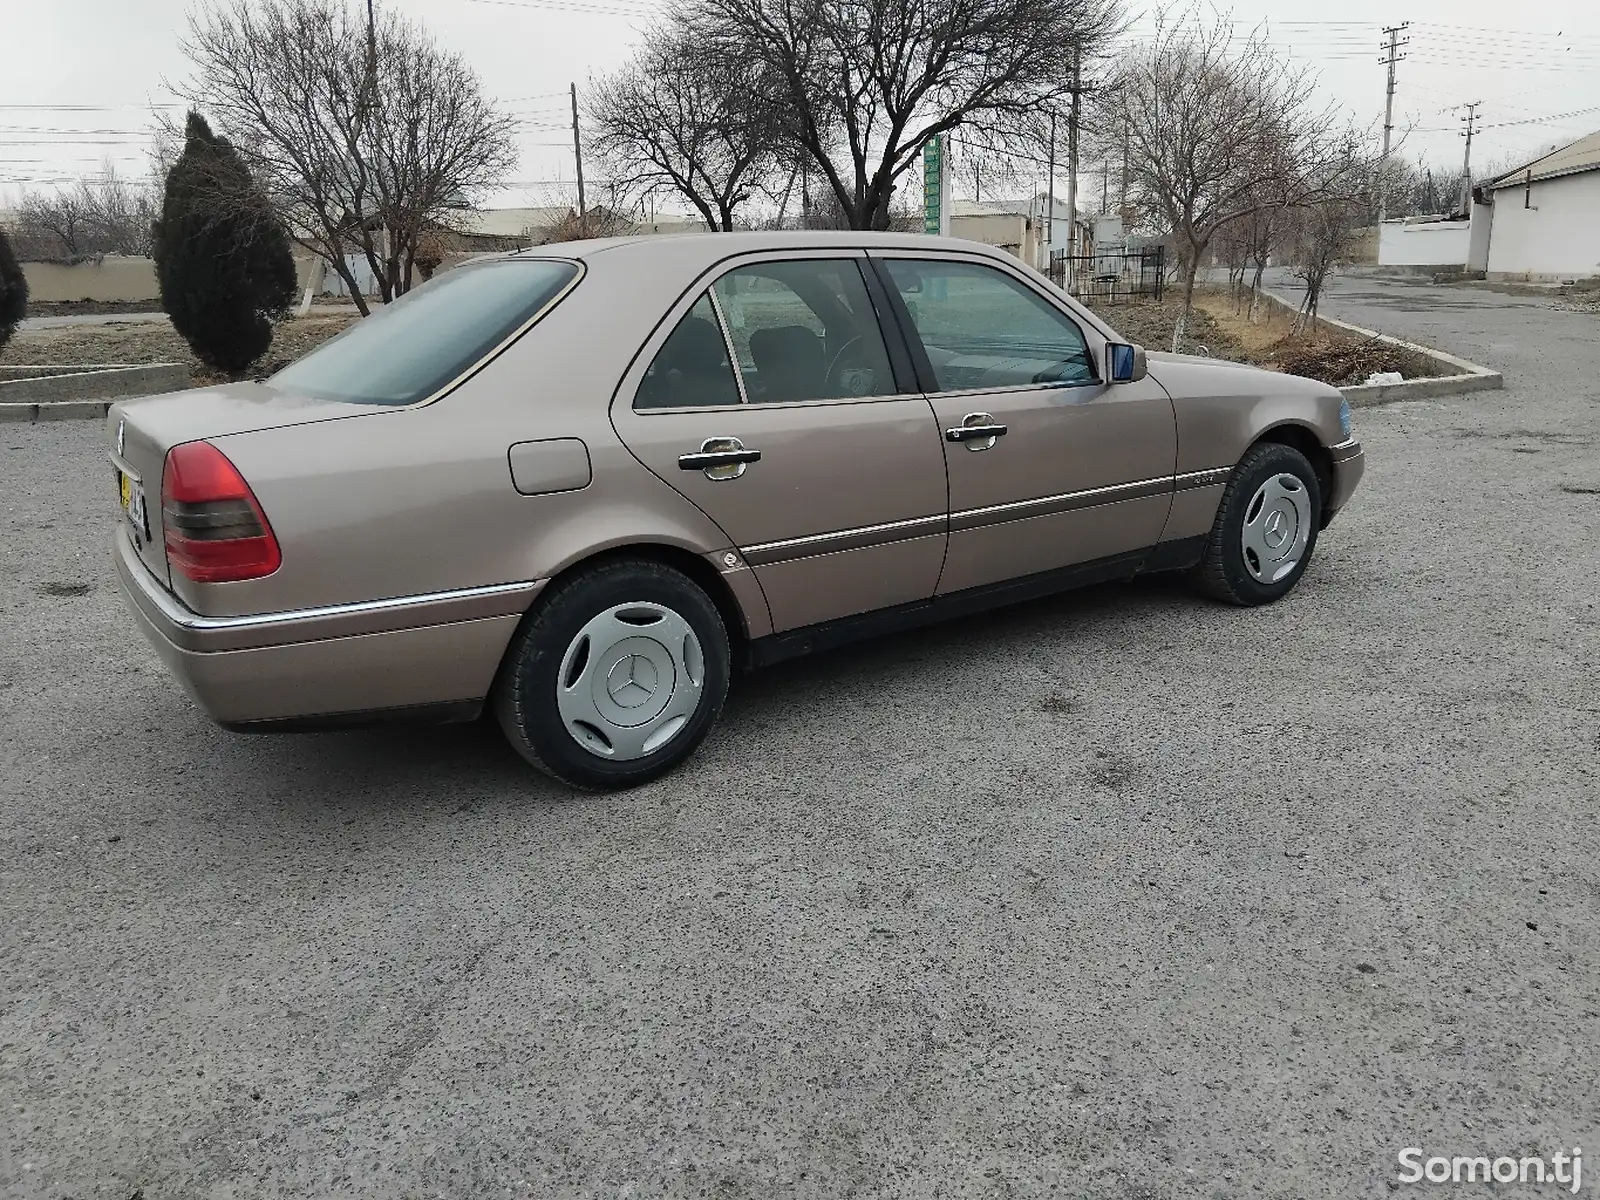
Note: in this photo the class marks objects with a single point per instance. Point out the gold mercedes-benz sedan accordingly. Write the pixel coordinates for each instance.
(579, 485)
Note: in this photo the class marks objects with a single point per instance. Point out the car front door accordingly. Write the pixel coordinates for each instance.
(770, 402)
(1049, 466)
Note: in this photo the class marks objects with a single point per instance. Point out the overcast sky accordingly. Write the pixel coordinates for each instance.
(81, 76)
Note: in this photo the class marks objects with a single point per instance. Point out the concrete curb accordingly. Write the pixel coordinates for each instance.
(56, 410)
(50, 393)
(1468, 377)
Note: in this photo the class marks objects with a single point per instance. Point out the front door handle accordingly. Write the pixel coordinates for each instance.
(977, 431)
(720, 458)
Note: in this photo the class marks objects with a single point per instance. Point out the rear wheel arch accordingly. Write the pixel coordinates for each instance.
(687, 562)
(557, 696)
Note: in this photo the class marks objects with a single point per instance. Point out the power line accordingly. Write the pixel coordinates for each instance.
(613, 9)
(1504, 32)
(86, 107)
(1552, 119)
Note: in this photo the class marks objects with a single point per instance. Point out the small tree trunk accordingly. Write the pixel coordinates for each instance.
(1190, 269)
(1306, 319)
(342, 269)
(1255, 289)
(376, 264)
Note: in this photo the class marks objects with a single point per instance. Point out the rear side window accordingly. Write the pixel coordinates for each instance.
(983, 329)
(691, 370)
(805, 330)
(406, 351)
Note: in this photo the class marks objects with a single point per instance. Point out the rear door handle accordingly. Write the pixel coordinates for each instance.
(720, 458)
(971, 433)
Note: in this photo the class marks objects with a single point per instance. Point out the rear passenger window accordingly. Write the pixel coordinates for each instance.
(805, 330)
(983, 329)
(691, 370)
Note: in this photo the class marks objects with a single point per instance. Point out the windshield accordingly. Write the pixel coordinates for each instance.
(406, 351)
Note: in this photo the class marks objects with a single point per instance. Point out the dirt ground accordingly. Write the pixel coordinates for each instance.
(1150, 324)
(148, 343)
(78, 308)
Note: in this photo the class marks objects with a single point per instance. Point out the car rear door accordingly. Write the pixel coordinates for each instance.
(770, 400)
(1049, 467)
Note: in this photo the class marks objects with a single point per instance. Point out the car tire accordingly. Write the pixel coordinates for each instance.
(1265, 530)
(616, 676)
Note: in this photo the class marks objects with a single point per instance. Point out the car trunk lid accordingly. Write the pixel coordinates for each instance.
(143, 430)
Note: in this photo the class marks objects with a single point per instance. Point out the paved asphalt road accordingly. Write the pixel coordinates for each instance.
(1116, 895)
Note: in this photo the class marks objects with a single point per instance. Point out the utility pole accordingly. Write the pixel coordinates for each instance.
(1123, 195)
(1050, 185)
(1072, 152)
(788, 190)
(1466, 159)
(369, 86)
(577, 153)
(1391, 55)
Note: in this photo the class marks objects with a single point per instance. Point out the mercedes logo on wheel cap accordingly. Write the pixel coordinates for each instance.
(632, 681)
(1277, 528)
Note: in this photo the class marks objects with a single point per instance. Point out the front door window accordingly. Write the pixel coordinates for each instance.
(982, 329)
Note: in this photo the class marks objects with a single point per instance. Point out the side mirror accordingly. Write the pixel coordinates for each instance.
(1125, 363)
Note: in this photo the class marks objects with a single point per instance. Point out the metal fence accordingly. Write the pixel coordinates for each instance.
(1109, 276)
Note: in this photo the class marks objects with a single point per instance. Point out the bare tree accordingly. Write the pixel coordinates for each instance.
(1218, 128)
(679, 120)
(104, 214)
(857, 88)
(1322, 237)
(1250, 241)
(1415, 189)
(597, 222)
(53, 225)
(364, 134)
(1232, 249)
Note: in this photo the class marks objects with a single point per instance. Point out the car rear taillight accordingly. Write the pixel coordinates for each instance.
(215, 529)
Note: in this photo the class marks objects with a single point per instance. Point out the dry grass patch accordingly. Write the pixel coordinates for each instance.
(148, 342)
(1324, 352)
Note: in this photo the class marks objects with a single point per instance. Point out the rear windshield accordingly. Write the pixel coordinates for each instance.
(408, 350)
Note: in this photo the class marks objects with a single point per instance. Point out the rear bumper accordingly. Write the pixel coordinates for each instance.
(436, 652)
(1349, 464)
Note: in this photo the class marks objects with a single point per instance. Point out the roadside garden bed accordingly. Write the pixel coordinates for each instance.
(85, 308)
(1220, 327)
(133, 343)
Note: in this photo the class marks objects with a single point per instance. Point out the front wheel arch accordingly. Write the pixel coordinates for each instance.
(1306, 440)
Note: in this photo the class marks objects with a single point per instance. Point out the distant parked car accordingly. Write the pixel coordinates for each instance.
(582, 484)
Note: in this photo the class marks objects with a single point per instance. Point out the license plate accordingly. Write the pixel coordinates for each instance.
(133, 506)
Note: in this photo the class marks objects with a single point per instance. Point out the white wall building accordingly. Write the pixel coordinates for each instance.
(1424, 242)
(1547, 216)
